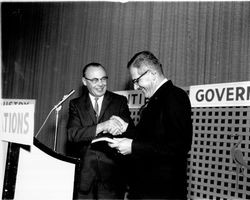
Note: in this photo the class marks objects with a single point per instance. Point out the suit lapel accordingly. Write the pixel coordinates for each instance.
(106, 101)
(87, 107)
(153, 101)
(162, 90)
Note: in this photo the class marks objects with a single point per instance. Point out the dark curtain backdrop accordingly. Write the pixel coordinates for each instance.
(45, 45)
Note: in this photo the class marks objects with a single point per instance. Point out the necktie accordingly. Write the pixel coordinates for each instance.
(143, 107)
(96, 107)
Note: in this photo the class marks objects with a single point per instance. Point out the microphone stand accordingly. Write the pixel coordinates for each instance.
(56, 128)
(57, 107)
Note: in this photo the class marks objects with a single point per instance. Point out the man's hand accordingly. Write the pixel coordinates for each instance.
(114, 127)
(111, 126)
(122, 122)
(122, 145)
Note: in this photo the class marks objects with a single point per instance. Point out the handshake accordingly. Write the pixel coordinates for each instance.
(115, 126)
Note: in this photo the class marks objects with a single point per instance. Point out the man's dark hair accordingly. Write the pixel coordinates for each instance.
(93, 64)
(147, 58)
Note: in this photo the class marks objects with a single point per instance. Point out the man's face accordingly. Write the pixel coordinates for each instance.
(142, 81)
(95, 81)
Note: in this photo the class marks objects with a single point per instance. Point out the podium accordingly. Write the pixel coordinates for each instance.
(38, 172)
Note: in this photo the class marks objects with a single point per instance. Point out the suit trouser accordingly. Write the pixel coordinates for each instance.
(99, 191)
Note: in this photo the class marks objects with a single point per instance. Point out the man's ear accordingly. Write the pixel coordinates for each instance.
(84, 81)
(154, 73)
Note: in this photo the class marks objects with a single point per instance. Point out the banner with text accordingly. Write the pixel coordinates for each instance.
(220, 95)
(135, 98)
(17, 121)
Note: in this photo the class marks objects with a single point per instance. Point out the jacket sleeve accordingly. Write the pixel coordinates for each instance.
(77, 132)
(126, 116)
(168, 133)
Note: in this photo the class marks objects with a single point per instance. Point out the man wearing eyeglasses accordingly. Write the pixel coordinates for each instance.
(163, 136)
(93, 114)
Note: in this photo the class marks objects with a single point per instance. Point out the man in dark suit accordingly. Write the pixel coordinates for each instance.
(163, 136)
(94, 113)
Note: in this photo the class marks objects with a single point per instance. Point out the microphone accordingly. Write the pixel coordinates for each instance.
(55, 107)
(64, 98)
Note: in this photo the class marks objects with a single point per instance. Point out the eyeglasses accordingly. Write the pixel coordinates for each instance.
(136, 81)
(95, 80)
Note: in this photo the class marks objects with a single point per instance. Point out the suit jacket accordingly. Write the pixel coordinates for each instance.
(160, 147)
(101, 164)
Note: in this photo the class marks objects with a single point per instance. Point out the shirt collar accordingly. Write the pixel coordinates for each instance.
(92, 98)
(163, 81)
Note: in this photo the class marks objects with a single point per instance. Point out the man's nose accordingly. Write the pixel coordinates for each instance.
(100, 82)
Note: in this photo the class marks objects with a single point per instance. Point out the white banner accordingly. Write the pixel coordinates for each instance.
(6, 102)
(220, 95)
(17, 122)
(135, 98)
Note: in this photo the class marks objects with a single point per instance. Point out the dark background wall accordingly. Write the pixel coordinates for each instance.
(45, 45)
